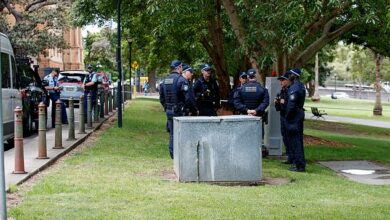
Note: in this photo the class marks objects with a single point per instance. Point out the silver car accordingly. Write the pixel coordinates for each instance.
(71, 82)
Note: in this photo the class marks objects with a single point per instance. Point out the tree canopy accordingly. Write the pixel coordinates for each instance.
(34, 25)
(234, 35)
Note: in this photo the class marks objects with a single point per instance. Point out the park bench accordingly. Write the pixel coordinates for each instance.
(318, 113)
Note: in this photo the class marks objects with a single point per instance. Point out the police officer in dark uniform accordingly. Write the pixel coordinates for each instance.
(54, 93)
(174, 97)
(281, 106)
(206, 92)
(243, 79)
(252, 98)
(90, 86)
(191, 109)
(294, 120)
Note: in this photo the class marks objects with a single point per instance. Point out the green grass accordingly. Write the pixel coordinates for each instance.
(354, 108)
(122, 177)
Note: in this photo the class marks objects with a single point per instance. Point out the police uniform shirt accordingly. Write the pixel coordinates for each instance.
(283, 95)
(296, 99)
(92, 77)
(207, 93)
(53, 82)
(252, 96)
(184, 95)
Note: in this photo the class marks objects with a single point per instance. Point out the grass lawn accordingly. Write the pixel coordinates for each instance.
(355, 108)
(124, 176)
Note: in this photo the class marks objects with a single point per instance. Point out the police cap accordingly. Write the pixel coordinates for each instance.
(243, 75)
(187, 68)
(285, 76)
(205, 67)
(295, 71)
(251, 73)
(175, 63)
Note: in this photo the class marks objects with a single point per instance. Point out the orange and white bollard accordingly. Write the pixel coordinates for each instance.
(42, 146)
(19, 153)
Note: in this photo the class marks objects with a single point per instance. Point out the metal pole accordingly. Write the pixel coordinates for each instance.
(130, 43)
(119, 61)
(96, 109)
(42, 144)
(89, 111)
(102, 103)
(105, 94)
(82, 120)
(114, 99)
(58, 127)
(71, 133)
(109, 101)
(3, 203)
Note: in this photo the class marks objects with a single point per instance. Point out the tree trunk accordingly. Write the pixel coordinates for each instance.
(310, 86)
(152, 80)
(316, 95)
(215, 48)
(378, 104)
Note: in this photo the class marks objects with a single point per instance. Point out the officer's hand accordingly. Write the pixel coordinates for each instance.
(281, 101)
(251, 112)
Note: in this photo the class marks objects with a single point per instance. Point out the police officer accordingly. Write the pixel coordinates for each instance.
(54, 94)
(90, 86)
(281, 105)
(206, 92)
(174, 97)
(252, 98)
(191, 109)
(243, 78)
(294, 120)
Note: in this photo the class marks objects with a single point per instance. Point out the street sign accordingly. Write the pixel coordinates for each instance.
(135, 65)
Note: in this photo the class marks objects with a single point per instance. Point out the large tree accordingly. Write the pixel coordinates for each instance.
(292, 32)
(34, 25)
(266, 34)
(192, 31)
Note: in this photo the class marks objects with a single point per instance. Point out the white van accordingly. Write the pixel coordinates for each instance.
(10, 94)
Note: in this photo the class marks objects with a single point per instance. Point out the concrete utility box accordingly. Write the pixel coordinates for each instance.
(273, 137)
(217, 149)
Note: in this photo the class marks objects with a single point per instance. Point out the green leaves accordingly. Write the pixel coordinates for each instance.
(39, 27)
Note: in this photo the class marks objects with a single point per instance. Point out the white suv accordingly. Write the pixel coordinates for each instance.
(10, 94)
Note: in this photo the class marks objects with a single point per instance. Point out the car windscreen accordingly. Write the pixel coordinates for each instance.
(71, 77)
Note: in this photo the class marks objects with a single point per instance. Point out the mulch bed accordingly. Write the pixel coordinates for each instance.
(311, 140)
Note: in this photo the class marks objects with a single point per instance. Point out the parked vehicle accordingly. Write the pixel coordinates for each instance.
(386, 86)
(10, 94)
(337, 95)
(71, 82)
(33, 92)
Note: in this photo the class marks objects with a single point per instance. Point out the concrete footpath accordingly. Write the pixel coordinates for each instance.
(373, 123)
(33, 165)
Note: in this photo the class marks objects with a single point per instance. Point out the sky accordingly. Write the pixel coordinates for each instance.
(95, 28)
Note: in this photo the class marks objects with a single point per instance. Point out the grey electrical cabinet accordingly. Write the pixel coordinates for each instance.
(273, 136)
(218, 149)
